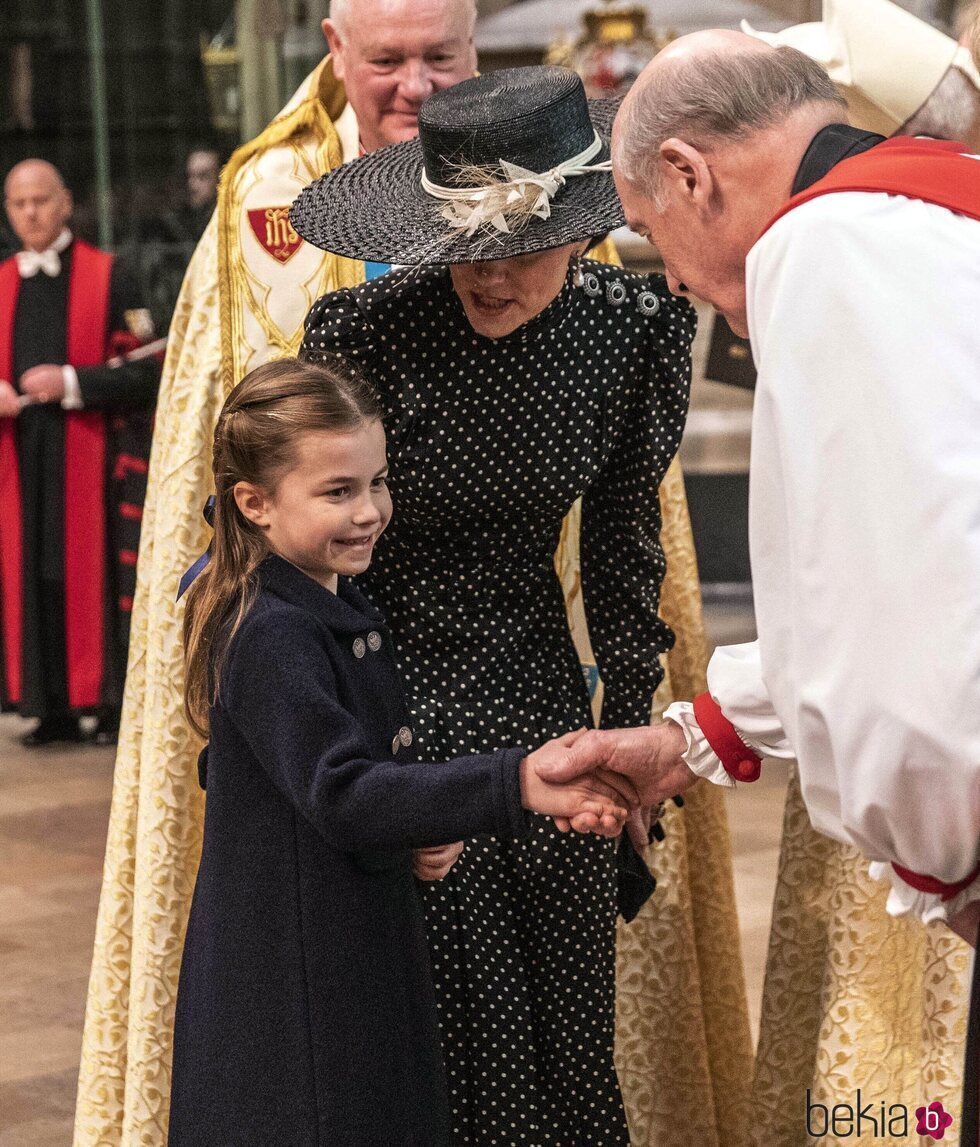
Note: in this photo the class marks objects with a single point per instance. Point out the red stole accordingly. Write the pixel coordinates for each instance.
(85, 486)
(932, 170)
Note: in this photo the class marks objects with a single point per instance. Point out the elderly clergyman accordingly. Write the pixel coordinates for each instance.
(853, 265)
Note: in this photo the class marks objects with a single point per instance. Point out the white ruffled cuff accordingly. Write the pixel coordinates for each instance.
(904, 900)
(699, 756)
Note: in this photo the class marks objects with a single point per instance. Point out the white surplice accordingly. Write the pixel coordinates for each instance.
(864, 316)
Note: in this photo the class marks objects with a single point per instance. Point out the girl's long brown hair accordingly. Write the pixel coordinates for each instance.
(255, 441)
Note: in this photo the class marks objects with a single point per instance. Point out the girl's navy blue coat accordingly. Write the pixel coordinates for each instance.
(305, 1011)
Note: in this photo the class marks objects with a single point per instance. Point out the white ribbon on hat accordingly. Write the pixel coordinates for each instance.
(49, 261)
(528, 192)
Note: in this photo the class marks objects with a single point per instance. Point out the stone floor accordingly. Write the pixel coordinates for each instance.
(54, 808)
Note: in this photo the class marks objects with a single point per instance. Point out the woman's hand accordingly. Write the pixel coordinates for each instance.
(638, 829)
(435, 863)
(590, 803)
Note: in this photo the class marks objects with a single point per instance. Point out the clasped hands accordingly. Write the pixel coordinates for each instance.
(593, 780)
(44, 383)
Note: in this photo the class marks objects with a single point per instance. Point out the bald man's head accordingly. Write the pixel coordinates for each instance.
(713, 87)
(37, 203)
(35, 170)
(705, 148)
(393, 54)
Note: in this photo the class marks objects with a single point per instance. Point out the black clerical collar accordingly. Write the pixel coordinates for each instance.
(828, 147)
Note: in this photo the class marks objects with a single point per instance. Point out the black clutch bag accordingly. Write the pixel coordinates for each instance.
(729, 357)
(634, 881)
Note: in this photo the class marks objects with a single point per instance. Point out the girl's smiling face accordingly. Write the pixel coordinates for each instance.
(330, 507)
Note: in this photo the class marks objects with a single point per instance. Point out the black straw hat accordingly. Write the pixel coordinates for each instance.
(505, 164)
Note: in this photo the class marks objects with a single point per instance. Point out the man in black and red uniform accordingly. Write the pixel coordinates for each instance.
(74, 436)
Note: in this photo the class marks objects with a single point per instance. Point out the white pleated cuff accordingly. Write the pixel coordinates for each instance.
(699, 756)
(904, 900)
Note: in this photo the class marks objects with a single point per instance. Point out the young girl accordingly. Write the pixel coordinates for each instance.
(305, 1012)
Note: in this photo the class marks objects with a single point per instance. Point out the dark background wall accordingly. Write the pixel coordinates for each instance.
(157, 104)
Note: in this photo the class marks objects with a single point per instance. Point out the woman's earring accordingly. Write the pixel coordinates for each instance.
(578, 276)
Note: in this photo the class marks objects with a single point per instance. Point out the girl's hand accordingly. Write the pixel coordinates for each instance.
(589, 803)
(435, 863)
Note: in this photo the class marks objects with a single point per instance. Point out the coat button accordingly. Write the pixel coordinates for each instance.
(405, 735)
(374, 641)
(396, 744)
(359, 647)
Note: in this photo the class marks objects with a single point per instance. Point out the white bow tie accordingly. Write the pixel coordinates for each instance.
(30, 262)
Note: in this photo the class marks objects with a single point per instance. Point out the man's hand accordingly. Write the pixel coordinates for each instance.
(435, 863)
(590, 803)
(43, 383)
(9, 401)
(649, 757)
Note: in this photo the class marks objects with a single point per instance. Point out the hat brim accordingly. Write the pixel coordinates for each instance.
(374, 208)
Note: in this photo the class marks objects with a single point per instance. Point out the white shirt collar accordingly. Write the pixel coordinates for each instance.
(49, 260)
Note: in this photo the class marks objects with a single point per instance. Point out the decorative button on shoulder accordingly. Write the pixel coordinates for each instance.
(647, 303)
(592, 286)
(616, 293)
(374, 641)
(359, 647)
(405, 736)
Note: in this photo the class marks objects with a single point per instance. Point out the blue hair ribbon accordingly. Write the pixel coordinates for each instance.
(202, 561)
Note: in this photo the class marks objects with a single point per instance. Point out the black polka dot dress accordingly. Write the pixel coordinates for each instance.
(490, 442)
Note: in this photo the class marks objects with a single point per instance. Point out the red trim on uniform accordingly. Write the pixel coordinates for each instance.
(85, 446)
(131, 511)
(935, 171)
(738, 760)
(11, 559)
(937, 887)
(128, 464)
(120, 343)
(85, 509)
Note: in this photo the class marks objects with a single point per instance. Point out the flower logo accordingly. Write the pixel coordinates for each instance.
(933, 1121)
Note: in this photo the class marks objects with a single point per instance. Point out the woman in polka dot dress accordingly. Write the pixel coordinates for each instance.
(511, 386)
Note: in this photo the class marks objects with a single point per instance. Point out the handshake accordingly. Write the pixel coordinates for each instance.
(593, 780)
